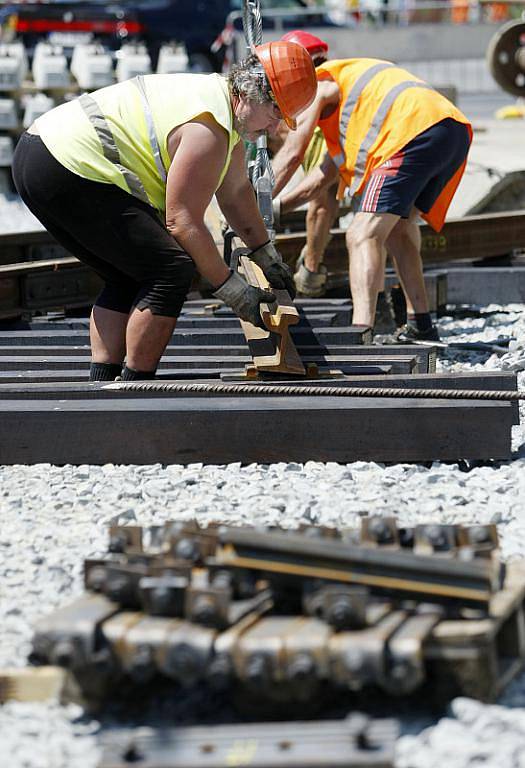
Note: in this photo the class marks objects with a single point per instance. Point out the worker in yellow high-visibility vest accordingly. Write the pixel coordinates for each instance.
(122, 178)
(399, 145)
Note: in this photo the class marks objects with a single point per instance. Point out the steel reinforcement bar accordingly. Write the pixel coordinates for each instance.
(308, 391)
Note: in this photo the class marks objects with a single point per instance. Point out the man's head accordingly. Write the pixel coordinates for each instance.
(317, 48)
(275, 83)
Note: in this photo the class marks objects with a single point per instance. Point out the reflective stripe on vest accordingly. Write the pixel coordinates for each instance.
(348, 109)
(377, 121)
(155, 148)
(109, 146)
(375, 128)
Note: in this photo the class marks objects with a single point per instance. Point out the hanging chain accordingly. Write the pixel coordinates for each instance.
(262, 175)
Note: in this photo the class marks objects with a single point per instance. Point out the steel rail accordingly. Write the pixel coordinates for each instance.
(482, 236)
(310, 390)
(470, 237)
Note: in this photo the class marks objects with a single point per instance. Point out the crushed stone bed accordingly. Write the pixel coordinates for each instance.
(52, 518)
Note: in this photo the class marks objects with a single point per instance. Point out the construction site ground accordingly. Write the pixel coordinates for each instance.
(53, 517)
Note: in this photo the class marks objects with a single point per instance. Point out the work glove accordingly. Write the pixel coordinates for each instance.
(278, 274)
(244, 299)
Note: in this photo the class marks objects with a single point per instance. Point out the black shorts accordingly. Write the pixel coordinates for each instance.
(417, 174)
(117, 235)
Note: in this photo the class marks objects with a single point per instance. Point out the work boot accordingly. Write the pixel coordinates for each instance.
(407, 334)
(310, 284)
(384, 320)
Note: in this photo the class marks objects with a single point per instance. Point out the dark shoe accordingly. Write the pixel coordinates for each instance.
(408, 334)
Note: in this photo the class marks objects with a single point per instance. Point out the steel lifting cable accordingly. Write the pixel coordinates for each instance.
(310, 390)
(262, 168)
(252, 23)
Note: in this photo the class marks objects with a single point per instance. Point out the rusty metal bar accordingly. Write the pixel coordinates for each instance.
(30, 282)
(472, 237)
(354, 742)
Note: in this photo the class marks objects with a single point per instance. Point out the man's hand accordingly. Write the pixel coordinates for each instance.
(278, 274)
(244, 299)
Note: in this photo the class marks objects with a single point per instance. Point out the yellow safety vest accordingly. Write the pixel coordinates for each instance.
(315, 152)
(381, 109)
(118, 135)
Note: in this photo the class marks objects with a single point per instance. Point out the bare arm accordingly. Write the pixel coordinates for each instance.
(321, 177)
(291, 154)
(289, 157)
(198, 151)
(237, 201)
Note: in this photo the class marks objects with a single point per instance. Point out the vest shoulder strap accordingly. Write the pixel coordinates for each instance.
(109, 145)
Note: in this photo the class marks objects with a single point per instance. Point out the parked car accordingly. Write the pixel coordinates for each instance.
(197, 24)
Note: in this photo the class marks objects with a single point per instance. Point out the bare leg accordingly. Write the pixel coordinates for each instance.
(365, 240)
(320, 217)
(146, 339)
(107, 332)
(404, 246)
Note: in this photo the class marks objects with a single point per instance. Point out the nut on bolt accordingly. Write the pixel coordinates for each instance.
(187, 549)
(203, 610)
(117, 543)
(380, 530)
(257, 670)
(436, 536)
(142, 667)
(220, 672)
(96, 578)
(301, 667)
(64, 654)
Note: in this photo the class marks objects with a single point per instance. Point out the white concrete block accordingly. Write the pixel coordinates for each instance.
(6, 151)
(92, 67)
(8, 114)
(9, 74)
(132, 60)
(50, 68)
(35, 106)
(172, 59)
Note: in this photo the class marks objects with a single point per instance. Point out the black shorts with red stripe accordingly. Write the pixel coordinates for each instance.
(417, 174)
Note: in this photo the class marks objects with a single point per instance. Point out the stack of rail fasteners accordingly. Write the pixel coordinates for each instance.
(294, 619)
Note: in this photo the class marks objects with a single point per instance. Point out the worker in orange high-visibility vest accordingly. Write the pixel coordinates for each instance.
(401, 147)
(310, 273)
(122, 178)
(459, 11)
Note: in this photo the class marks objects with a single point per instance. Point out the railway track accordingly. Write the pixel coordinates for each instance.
(36, 274)
(44, 391)
(44, 363)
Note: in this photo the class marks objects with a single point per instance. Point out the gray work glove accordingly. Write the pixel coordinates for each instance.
(278, 274)
(244, 299)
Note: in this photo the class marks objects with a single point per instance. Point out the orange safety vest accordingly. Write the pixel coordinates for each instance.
(459, 11)
(382, 108)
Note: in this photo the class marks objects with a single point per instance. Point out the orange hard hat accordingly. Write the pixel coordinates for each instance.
(313, 44)
(291, 75)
